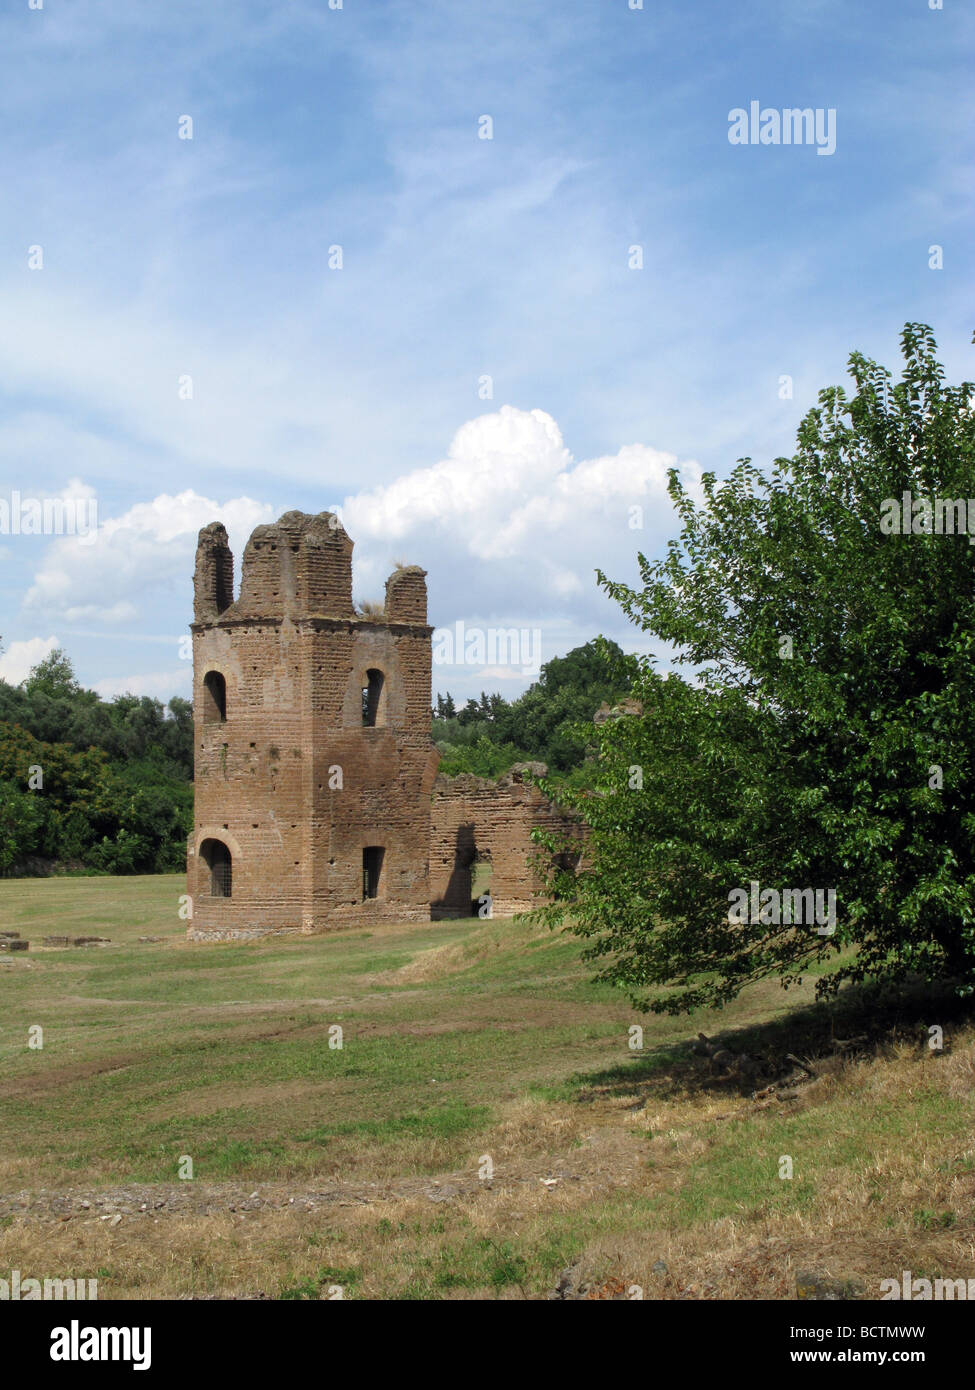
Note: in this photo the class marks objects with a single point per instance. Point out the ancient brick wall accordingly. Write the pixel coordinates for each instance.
(316, 805)
(292, 790)
(475, 820)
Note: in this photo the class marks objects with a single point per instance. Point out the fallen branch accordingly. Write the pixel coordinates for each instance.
(797, 1061)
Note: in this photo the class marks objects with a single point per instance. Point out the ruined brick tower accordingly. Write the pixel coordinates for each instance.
(314, 762)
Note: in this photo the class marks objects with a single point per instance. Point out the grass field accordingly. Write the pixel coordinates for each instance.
(483, 1126)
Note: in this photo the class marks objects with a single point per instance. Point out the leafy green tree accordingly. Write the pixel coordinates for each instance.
(554, 716)
(21, 824)
(176, 738)
(482, 757)
(120, 818)
(823, 736)
(470, 714)
(54, 676)
(551, 722)
(52, 707)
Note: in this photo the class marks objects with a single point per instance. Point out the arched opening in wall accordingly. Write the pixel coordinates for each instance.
(214, 698)
(567, 860)
(456, 900)
(217, 857)
(372, 868)
(373, 700)
(481, 869)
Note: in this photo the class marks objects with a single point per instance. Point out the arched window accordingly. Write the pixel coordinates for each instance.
(373, 704)
(214, 698)
(216, 856)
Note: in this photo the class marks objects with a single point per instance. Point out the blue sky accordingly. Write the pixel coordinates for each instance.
(462, 258)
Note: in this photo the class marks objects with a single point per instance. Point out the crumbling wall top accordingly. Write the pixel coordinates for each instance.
(299, 565)
(213, 577)
(406, 595)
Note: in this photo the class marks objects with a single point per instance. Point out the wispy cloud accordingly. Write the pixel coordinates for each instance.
(463, 259)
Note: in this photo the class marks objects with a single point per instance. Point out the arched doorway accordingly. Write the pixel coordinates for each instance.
(219, 861)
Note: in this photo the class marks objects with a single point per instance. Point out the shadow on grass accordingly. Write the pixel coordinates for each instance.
(862, 1021)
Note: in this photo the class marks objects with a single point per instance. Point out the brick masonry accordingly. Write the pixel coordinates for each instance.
(473, 821)
(317, 801)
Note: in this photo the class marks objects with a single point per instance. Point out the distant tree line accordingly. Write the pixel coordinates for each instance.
(53, 707)
(95, 784)
(551, 722)
(106, 785)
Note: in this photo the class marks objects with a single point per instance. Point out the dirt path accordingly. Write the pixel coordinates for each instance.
(612, 1157)
(206, 1199)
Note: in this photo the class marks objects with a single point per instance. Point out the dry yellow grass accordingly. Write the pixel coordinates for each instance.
(579, 1174)
(468, 1046)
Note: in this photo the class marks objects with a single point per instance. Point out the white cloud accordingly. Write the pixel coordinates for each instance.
(149, 548)
(495, 463)
(17, 660)
(508, 522)
(162, 685)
